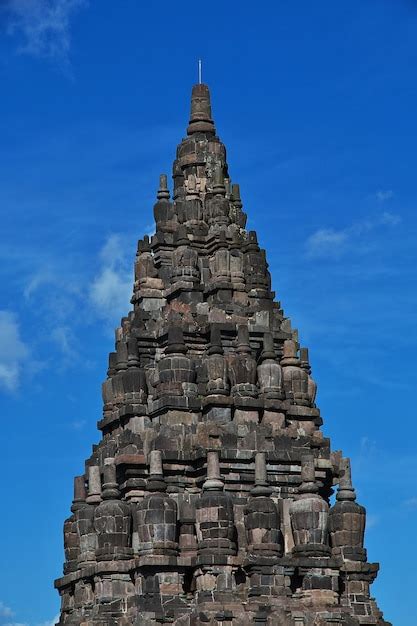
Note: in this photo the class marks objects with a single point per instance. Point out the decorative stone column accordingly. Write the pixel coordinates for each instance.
(261, 515)
(217, 205)
(175, 370)
(311, 386)
(214, 514)
(71, 536)
(216, 367)
(85, 518)
(184, 260)
(295, 378)
(264, 539)
(113, 520)
(165, 216)
(156, 515)
(270, 371)
(243, 367)
(347, 520)
(309, 515)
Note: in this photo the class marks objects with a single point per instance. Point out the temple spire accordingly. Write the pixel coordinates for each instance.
(200, 118)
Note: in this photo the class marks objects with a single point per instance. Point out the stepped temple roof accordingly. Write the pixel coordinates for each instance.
(207, 500)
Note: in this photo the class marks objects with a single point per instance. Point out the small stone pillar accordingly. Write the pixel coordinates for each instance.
(261, 515)
(347, 520)
(264, 537)
(309, 515)
(295, 378)
(85, 517)
(214, 514)
(156, 515)
(112, 520)
(176, 372)
(270, 371)
(94, 485)
(216, 367)
(71, 536)
(312, 385)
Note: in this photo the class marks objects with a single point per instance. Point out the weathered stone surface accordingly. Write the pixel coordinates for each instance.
(206, 501)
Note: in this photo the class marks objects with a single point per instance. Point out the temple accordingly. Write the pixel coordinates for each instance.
(207, 500)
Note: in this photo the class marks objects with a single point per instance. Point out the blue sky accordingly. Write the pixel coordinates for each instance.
(316, 103)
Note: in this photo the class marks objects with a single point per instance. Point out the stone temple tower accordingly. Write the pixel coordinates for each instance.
(206, 501)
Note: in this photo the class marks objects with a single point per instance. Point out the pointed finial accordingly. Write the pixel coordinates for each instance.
(345, 490)
(156, 481)
(200, 118)
(218, 182)
(80, 493)
(110, 486)
(236, 195)
(261, 487)
(175, 343)
(181, 238)
(268, 351)
(214, 480)
(215, 341)
(243, 345)
(308, 475)
(163, 191)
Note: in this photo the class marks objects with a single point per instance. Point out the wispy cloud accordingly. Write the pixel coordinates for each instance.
(5, 611)
(5, 614)
(43, 27)
(333, 243)
(383, 196)
(63, 337)
(111, 290)
(411, 502)
(13, 353)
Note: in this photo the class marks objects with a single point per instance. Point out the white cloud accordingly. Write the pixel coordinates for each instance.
(111, 291)
(411, 502)
(44, 26)
(383, 196)
(64, 339)
(333, 243)
(390, 218)
(326, 242)
(39, 279)
(5, 611)
(13, 353)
